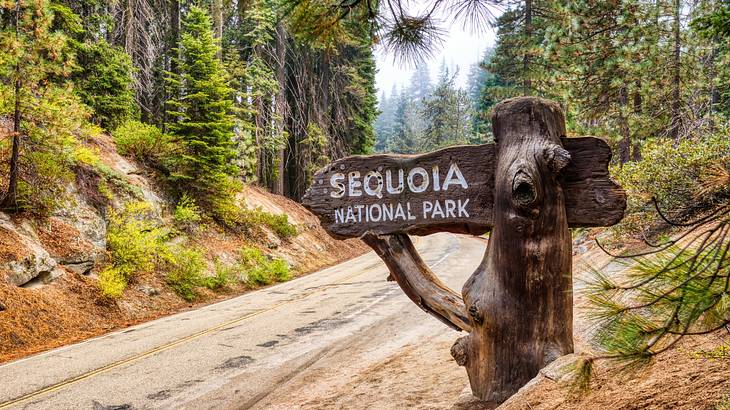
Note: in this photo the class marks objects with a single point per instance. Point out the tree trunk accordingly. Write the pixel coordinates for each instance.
(624, 146)
(10, 199)
(636, 149)
(216, 11)
(519, 299)
(676, 80)
(281, 111)
(527, 82)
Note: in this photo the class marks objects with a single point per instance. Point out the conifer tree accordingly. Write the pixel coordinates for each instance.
(33, 56)
(447, 113)
(201, 114)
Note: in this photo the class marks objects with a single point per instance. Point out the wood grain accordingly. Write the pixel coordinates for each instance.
(592, 198)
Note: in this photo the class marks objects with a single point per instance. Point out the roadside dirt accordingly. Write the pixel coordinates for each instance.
(419, 373)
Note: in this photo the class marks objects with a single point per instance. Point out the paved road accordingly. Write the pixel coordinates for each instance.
(239, 353)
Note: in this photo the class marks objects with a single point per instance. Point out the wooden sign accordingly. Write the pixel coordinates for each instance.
(450, 190)
(528, 188)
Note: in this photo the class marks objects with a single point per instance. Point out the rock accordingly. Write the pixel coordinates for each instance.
(2, 307)
(467, 401)
(84, 218)
(149, 290)
(68, 246)
(22, 258)
(44, 278)
(272, 240)
(561, 368)
(82, 268)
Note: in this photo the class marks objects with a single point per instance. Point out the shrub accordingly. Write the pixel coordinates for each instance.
(133, 240)
(112, 282)
(673, 174)
(279, 224)
(187, 213)
(256, 269)
(185, 271)
(221, 279)
(141, 141)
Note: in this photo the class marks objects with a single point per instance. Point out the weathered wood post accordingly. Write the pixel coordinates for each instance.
(529, 188)
(519, 299)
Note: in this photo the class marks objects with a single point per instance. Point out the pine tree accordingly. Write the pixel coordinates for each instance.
(420, 86)
(518, 59)
(201, 114)
(33, 56)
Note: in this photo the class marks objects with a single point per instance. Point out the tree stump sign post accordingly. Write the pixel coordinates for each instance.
(528, 188)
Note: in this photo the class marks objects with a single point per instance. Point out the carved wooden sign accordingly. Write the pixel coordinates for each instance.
(528, 188)
(450, 190)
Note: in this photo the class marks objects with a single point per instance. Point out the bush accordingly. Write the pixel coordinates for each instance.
(256, 269)
(185, 271)
(112, 282)
(141, 141)
(279, 224)
(673, 174)
(221, 279)
(135, 244)
(187, 213)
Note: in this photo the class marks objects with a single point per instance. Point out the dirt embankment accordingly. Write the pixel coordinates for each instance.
(49, 293)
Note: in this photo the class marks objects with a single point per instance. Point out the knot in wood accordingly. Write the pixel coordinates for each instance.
(523, 189)
(475, 313)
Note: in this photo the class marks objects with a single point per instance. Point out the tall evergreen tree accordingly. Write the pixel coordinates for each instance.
(33, 57)
(447, 113)
(201, 114)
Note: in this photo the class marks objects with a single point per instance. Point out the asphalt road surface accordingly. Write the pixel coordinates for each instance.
(248, 352)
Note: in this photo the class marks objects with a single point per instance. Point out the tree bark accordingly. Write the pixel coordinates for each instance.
(216, 11)
(519, 299)
(10, 199)
(624, 146)
(676, 81)
(281, 111)
(527, 82)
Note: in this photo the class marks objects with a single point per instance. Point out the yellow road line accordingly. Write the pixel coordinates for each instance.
(139, 356)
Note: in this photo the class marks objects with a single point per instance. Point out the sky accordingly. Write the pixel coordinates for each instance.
(461, 48)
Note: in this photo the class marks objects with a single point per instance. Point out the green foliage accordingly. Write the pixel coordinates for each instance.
(314, 151)
(680, 289)
(103, 79)
(256, 269)
(223, 276)
(448, 115)
(135, 245)
(50, 131)
(187, 214)
(133, 240)
(144, 142)
(185, 269)
(278, 223)
(201, 114)
(112, 282)
(673, 173)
